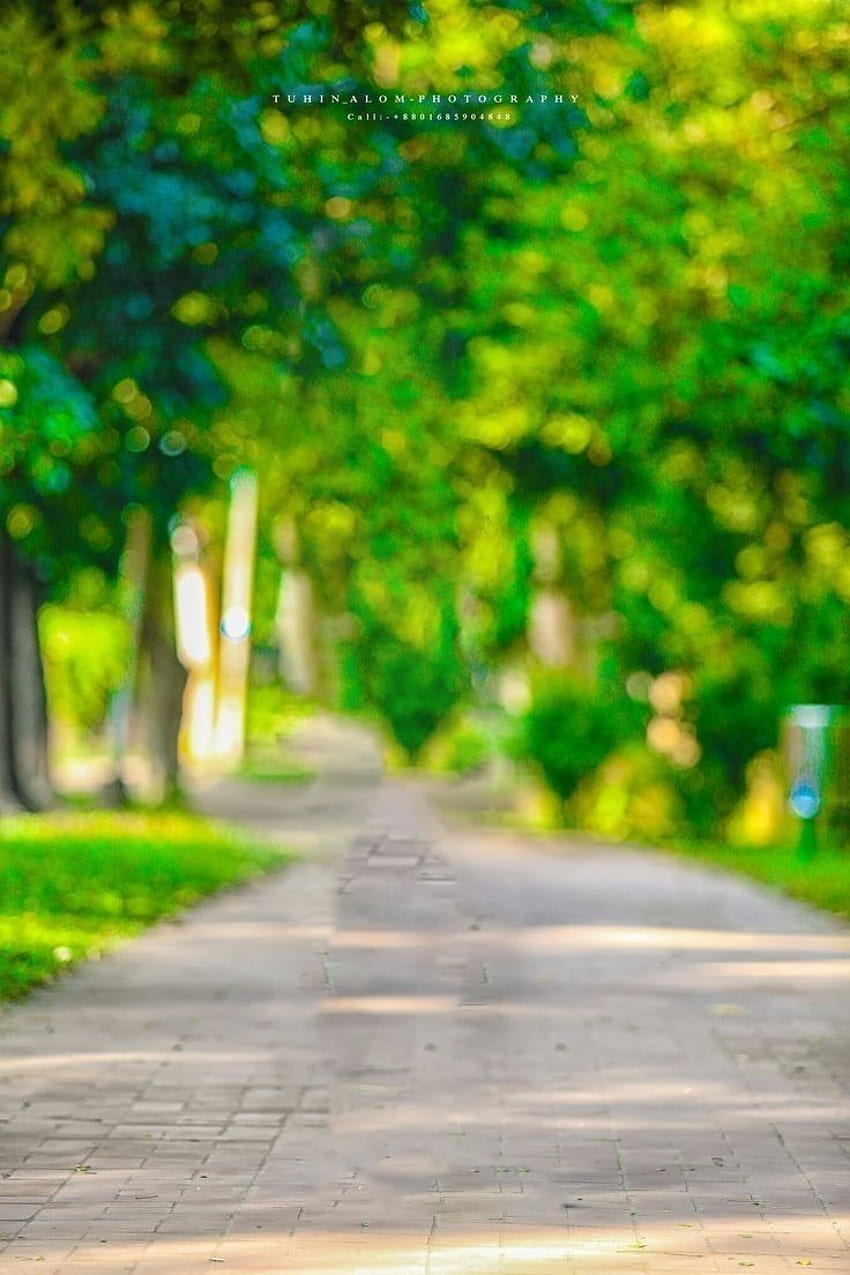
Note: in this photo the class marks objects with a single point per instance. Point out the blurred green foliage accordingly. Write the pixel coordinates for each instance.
(622, 322)
(635, 794)
(468, 748)
(272, 714)
(412, 678)
(573, 725)
(85, 662)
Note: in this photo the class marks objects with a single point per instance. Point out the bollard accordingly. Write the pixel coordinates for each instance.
(816, 748)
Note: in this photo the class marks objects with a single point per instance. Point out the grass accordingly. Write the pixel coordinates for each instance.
(821, 878)
(73, 884)
(817, 875)
(272, 770)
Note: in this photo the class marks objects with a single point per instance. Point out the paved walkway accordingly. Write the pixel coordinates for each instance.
(451, 1053)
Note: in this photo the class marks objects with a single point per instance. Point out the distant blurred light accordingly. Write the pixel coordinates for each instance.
(184, 540)
(20, 521)
(125, 391)
(804, 800)
(140, 408)
(667, 691)
(687, 752)
(514, 690)
(138, 439)
(54, 320)
(189, 123)
(236, 623)
(811, 716)
(542, 54)
(172, 443)
(573, 217)
(338, 207)
(663, 734)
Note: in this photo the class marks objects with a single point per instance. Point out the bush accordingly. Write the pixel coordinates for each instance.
(413, 692)
(572, 727)
(461, 747)
(272, 713)
(412, 688)
(633, 794)
(736, 717)
(470, 748)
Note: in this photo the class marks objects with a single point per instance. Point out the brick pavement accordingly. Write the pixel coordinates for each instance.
(431, 1052)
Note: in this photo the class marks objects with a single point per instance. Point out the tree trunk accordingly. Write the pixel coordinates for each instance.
(8, 798)
(29, 716)
(23, 732)
(237, 592)
(296, 631)
(166, 680)
(132, 589)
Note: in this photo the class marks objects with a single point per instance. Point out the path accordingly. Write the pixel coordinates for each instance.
(448, 1055)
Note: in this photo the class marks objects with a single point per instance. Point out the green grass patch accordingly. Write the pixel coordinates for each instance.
(821, 878)
(270, 770)
(72, 884)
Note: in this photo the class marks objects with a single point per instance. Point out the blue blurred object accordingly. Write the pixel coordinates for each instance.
(804, 800)
(816, 747)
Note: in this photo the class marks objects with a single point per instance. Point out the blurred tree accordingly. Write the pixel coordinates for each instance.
(625, 319)
(149, 204)
(664, 336)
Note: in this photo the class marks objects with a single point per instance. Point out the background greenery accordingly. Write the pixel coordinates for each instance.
(616, 329)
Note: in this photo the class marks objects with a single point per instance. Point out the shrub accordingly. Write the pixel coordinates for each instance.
(572, 727)
(633, 794)
(411, 687)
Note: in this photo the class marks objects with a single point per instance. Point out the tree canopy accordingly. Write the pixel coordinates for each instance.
(615, 323)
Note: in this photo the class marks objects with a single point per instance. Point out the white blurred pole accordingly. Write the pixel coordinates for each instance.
(295, 621)
(237, 588)
(192, 614)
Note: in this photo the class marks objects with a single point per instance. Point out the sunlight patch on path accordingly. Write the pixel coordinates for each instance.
(718, 1243)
